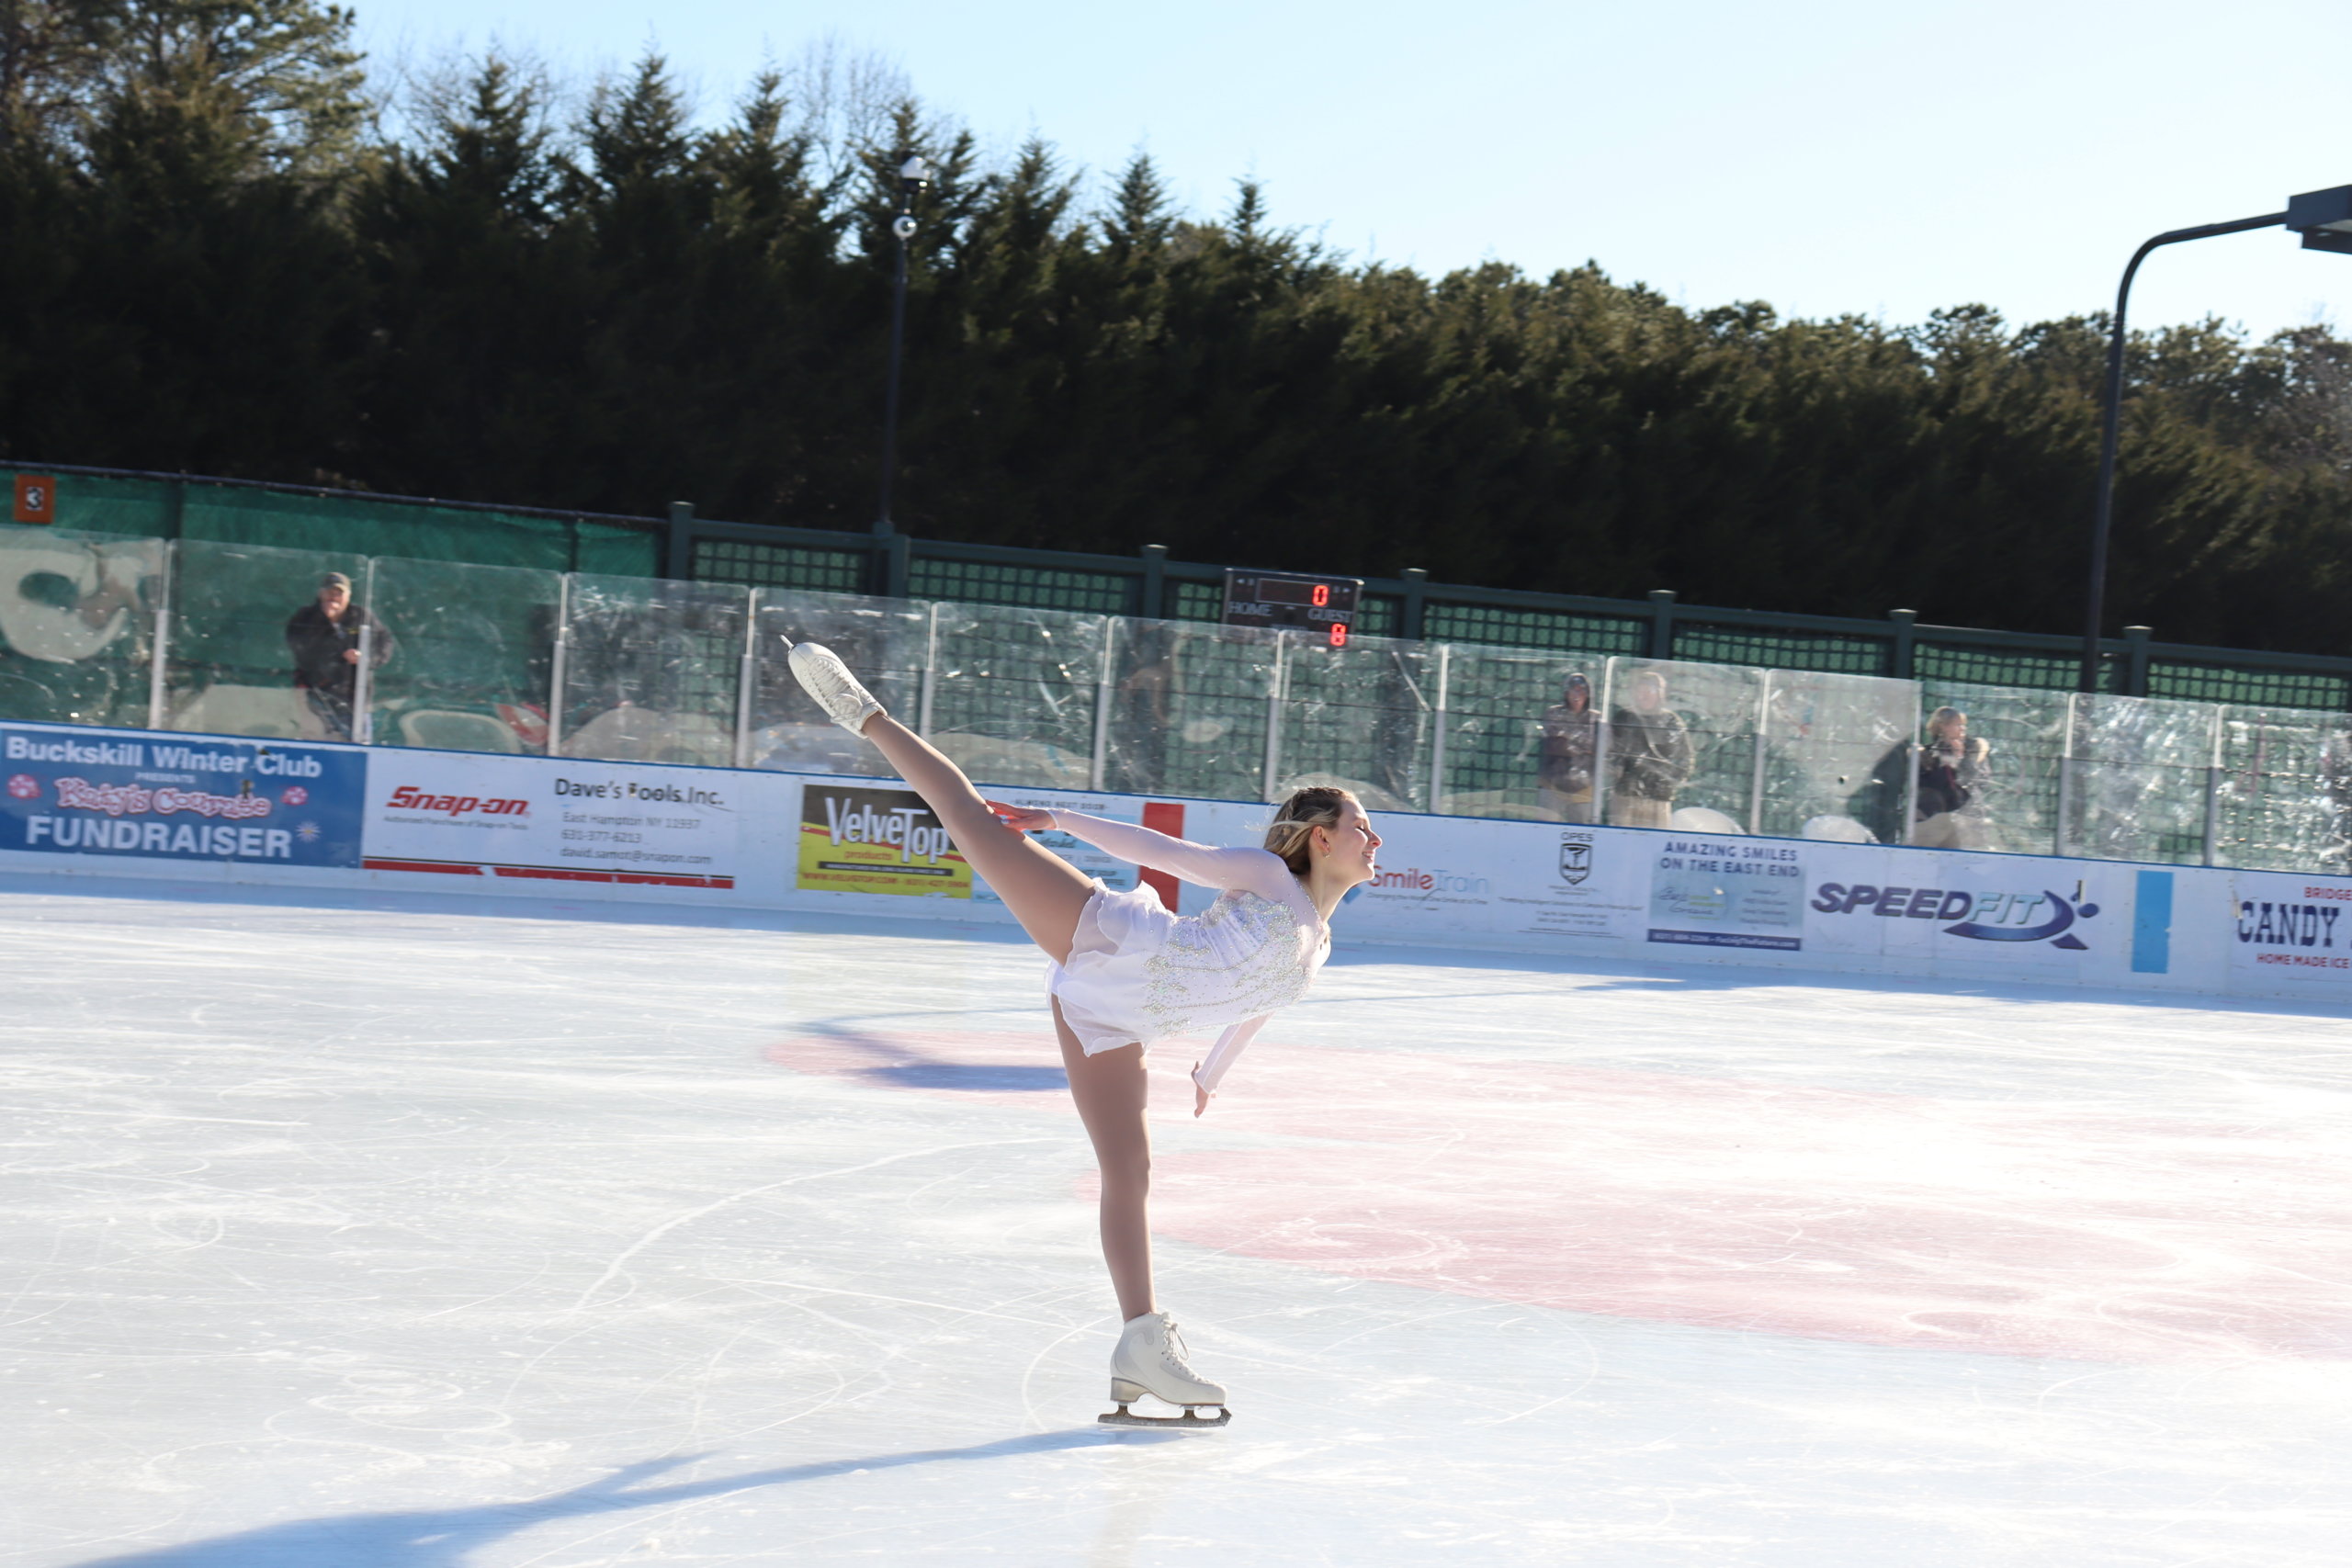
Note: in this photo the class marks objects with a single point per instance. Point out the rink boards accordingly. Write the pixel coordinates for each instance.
(130, 802)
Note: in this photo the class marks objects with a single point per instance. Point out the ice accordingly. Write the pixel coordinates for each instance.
(390, 1233)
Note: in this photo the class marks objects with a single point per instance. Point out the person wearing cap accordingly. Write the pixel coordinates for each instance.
(324, 637)
(1571, 736)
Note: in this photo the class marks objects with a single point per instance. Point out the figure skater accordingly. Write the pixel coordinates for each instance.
(1127, 972)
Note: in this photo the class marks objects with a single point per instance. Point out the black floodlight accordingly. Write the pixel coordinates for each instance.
(2324, 217)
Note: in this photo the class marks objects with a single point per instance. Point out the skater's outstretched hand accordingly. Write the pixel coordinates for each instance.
(1201, 1096)
(1020, 819)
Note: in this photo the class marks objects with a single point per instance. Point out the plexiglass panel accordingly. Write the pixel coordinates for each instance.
(1521, 733)
(247, 622)
(1012, 692)
(1362, 717)
(476, 653)
(885, 643)
(77, 626)
(2284, 801)
(1836, 748)
(1189, 709)
(1683, 738)
(652, 669)
(2004, 749)
(2138, 781)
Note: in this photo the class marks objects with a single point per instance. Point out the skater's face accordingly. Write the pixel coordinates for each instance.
(1349, 850)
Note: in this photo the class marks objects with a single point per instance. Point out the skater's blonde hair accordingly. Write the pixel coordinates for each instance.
(1292, 836)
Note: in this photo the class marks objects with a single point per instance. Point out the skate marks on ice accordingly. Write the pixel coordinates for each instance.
(448, 1537)
(1900, 1220)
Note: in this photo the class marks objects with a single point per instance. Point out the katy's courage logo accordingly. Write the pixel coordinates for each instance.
(1576, 858)
(1979, 917)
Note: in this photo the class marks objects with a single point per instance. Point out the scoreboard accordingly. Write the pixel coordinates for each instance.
(1324, 604)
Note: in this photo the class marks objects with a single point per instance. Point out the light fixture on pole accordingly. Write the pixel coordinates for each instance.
(2324, 217)
(914, 176)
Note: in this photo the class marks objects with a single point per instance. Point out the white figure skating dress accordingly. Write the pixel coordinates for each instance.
(1140, 973)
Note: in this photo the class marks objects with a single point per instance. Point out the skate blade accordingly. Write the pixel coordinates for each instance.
(1122, 1417)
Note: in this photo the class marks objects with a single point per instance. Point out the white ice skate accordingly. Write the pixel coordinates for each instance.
(824, 677)
(1150, 1360)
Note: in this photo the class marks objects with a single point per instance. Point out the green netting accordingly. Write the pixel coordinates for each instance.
(1497, 701)
(351, 525)
(1689, 744)
(1780, 651)
(2008, 667)
(652, 668)
(1378, 614)
(780, 566)
(2255, 688)
(1035, 588)
(1533, 628)
(1190, 601)
(1191, 707)
(2015, 794)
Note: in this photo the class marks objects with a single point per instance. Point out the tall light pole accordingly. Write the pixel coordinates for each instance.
(914, 176)
(2324, 217)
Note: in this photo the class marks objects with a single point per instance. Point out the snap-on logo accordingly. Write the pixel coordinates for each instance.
(1979, 917)
(409, 798)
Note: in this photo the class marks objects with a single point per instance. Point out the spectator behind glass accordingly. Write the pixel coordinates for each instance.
(1952, 771)
(323, 637)
(1649, 756)
(1571, 736)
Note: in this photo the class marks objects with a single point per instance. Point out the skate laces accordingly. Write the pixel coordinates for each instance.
(1176, 1354)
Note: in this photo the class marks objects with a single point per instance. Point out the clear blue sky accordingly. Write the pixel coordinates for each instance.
(1827, 156)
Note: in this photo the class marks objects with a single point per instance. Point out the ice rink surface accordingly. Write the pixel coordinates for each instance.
(344, 1232)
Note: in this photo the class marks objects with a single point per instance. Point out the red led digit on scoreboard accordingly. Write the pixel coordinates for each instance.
(1338, 631)
(1322, 594)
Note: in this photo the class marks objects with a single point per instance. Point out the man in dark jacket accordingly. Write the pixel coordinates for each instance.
(324, 637)
(1650, 755)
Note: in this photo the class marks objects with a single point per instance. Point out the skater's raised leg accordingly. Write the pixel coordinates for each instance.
(1111, 1087)
(1044, 892)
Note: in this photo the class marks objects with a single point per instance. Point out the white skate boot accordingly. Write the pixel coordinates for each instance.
(824, 677)
(1150, 1360)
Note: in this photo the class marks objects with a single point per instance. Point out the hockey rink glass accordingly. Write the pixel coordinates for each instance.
(2283, 794)
(2138, 778)
(475, 655)
(1362, 716)
(885, 642)
(1012, 692)
(1721, 706)
(652, 670)
(1192, 709)
(77, 625)
(1821, 739)
(227, 669)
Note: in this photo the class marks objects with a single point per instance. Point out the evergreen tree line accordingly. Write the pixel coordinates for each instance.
(222, 255)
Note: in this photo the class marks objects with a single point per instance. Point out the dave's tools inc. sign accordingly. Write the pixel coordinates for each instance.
(157, 796)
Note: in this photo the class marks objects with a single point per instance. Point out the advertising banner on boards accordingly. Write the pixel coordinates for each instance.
(1721, 892)
(1999, 913)
(856, 838)
(457, 813)
(167, 798)
(2290, 930)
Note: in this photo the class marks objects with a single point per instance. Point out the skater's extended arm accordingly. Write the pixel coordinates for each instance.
(1204, 865)
(1230, 1045)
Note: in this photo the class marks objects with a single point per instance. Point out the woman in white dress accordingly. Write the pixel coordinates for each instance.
(1127, 972)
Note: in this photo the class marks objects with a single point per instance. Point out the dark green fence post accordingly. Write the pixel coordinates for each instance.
(682, 541)
(1898, 663)
(1661, 623)
(2135, 661)
(1151, 594)
(898, 564)
(1417, 585)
